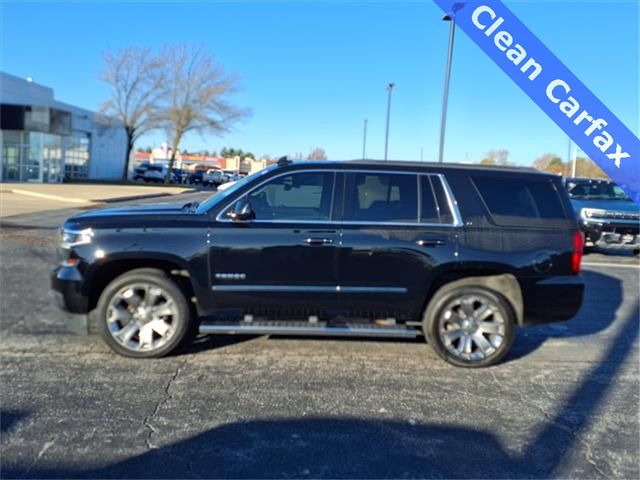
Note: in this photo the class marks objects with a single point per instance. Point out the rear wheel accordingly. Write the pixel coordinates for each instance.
(143, 313)
(469, 326)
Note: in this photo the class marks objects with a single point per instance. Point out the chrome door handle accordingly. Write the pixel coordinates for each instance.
(431, 243)
(318, 241)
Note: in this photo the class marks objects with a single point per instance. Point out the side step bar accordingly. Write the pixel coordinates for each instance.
(305, 328)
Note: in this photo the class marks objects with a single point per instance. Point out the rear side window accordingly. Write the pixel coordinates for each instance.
(434, 202)
(383, 197)
(510, 200)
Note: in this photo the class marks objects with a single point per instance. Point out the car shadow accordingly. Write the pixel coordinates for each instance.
(602, 298)
(212, 342)
(346, 447)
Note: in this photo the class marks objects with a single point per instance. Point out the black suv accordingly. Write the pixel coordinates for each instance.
(463, 254)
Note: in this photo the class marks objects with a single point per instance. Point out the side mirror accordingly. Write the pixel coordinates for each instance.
(241, 211)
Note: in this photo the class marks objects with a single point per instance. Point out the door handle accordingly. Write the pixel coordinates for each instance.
(318, 241)
(434, 242)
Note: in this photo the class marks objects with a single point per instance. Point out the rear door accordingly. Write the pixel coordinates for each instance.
(399, 229)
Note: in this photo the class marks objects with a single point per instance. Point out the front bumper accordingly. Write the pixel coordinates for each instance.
(66, 283)
(554, 299)
(612, 234)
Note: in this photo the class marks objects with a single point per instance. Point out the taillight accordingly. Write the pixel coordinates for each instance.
(578, 249)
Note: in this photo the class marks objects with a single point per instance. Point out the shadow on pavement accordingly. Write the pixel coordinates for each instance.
(212, 342)
(356, 448)
(602, 298)
(9, 418)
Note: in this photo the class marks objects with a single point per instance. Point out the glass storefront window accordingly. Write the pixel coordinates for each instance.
(53, 162)
(76, 155)
(44, 157)
(10, 158)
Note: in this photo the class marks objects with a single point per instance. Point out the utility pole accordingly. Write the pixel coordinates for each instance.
(574, 160)
(447, 77)
(386, 140)
(364, 140)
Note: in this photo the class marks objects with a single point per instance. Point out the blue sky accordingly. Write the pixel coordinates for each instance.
(313, 71)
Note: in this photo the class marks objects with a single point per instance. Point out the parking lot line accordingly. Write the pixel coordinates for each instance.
(614, 265)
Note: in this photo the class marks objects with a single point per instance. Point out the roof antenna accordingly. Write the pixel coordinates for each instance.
(282, 161)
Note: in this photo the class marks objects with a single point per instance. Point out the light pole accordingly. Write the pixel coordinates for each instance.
(386, 139)
(447, 76)
(364, 140)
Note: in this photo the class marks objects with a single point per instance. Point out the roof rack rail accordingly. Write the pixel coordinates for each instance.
(283, 161)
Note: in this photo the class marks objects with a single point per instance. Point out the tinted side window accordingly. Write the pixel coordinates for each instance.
(382, 197)
(428, 202)
(298, 196)
(510, 200)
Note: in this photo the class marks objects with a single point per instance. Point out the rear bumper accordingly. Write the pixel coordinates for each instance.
(66, 283)
(554, 299)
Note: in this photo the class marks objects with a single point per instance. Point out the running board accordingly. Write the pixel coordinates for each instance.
(305, 328)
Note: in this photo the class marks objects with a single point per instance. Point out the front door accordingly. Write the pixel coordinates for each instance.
(397, 231)
(283, 263)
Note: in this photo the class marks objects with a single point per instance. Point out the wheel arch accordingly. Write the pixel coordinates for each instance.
(501, 282)
(105, 272)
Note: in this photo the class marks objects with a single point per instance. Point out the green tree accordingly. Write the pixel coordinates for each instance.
(496, 157)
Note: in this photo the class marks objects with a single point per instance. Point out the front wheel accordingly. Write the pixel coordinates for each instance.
(144, 314)
(469, 326)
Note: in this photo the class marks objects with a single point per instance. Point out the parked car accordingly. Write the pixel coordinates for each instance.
(196, 177)
(138, 172)
(179, 175)
(158, 173)
(155, 173)
(460, 254)
(606, 215)
(213, 177)
(231, 175)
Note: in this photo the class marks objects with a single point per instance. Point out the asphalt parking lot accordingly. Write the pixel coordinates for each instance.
(564, 404)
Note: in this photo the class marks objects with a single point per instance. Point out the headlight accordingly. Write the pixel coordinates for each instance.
(71, 238)
(591, 212)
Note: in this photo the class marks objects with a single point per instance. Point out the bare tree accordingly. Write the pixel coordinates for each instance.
(195, 99)
(136, 86)
(317, 154)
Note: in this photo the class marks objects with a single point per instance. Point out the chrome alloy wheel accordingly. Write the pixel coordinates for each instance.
(142, 317)
(471, 327)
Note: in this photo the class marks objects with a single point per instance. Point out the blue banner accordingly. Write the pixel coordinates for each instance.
(552, 86)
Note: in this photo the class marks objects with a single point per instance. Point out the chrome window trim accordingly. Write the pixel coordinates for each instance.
(305, 288)
(451, 201)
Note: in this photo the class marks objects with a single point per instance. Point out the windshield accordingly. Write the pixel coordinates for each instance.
(603, 190)
(218, 197)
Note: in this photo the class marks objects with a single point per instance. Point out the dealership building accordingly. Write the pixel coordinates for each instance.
(45, 140)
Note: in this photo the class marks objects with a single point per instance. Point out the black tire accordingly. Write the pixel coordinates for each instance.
(503, 318)
(180, 323)
(636, 251)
